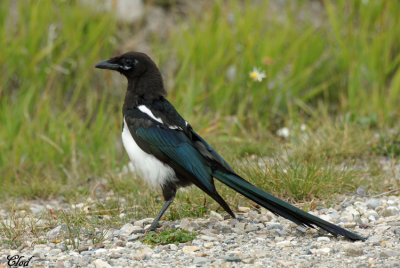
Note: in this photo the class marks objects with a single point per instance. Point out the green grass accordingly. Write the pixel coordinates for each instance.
(336, 70)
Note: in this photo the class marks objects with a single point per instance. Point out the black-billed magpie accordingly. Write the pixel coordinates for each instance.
(167, 152)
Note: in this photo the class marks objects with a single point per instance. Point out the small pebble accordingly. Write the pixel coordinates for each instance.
(323, 239)
(321, 251)
(389, 211)
(244, 209)
(216, 215)
(207, 238)
(101, 264)
(232, 258)
(373, 203)
(354, 249)
(190, 249)
(284, 243)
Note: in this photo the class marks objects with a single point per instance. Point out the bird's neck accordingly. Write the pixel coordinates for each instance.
(145, 89)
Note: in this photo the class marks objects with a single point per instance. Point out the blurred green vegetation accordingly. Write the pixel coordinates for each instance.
(56, 122)
(60, 118)
(344, 59)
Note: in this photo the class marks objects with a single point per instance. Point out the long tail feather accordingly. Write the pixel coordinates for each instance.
(280, 207)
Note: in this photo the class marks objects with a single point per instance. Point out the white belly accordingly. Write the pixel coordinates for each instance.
(149, 168)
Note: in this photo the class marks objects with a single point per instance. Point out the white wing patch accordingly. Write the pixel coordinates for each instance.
(147, 111)
(148, 167)
(144, 109)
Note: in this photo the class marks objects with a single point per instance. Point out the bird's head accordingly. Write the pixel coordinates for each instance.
(130, 64)
(142, 73)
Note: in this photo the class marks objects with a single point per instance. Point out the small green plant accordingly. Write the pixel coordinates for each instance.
(388, 145)
(12, 230)
(74, 228)
(169, 237)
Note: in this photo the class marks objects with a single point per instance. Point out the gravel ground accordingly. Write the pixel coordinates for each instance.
(258, 239)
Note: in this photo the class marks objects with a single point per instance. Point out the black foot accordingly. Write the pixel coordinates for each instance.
(241, 219)
(152, 227)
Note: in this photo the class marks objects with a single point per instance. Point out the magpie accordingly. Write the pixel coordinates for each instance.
(167, 152)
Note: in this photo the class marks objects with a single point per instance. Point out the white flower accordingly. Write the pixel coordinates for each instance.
(257, 75)
(283, 132)
(303, 127)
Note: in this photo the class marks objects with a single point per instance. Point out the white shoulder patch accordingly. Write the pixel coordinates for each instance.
(147, 111)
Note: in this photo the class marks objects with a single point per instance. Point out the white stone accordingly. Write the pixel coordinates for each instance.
(101, 264)
(127, 229)
(244, 209)
(208, 244)
(207, 238)
(354, 249)
(349, 224)
(216, 215)
(323, 239)
(100, 251)
(284, 243)
(190, 249)
(389, 211)
(326, 218)
(373, 203)
(321, 251)
(143, 222)
(143, 253)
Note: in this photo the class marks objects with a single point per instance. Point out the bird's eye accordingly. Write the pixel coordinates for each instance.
(129, 64)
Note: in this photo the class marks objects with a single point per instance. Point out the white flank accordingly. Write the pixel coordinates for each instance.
(149, 168)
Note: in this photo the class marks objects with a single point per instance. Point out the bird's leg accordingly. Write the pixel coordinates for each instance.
(153, 226)
(169, 192)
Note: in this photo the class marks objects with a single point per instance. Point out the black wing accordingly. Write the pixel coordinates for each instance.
(164, 110)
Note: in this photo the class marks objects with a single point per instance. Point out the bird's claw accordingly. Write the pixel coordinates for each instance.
(240, 219)
(152, 228)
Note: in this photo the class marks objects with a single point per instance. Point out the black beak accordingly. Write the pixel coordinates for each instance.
(106, 64)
